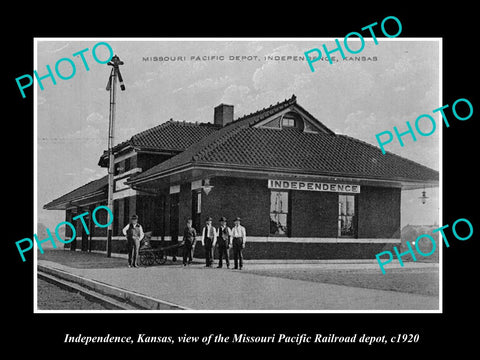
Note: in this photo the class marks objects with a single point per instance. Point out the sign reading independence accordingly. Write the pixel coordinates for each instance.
(312, 186)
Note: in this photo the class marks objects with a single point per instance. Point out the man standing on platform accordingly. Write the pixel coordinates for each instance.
(134, 233)
(223, 242)
(209, 236)
(239, 236)
(189, 235)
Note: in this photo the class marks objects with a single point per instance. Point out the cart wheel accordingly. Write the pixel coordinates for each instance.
(147, 259)
(160, 257)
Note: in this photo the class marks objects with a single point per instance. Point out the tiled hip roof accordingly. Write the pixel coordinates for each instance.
(313, 152)
(97, 186)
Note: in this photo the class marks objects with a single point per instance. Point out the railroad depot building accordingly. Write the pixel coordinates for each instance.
(302, 191)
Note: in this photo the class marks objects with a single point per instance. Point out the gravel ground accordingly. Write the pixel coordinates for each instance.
(415, 281)
(52, 297)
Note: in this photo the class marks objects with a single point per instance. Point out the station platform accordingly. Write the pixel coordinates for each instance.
(177, 288)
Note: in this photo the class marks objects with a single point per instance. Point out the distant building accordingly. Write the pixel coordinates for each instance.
(301, 190)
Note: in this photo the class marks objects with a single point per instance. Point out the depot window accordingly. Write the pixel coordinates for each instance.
(346, 216)
(279, 215)
(118, 169)
(127, 165)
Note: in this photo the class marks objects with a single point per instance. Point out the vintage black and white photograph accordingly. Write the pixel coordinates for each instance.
(234, 178)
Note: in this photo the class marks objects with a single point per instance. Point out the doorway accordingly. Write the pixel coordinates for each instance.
(196, 209)
(174, 214)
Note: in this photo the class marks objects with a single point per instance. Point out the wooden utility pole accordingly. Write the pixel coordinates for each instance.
(111, 86)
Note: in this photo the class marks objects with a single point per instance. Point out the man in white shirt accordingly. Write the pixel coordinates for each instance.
(134, 233)
(239, 236)
(209, 236)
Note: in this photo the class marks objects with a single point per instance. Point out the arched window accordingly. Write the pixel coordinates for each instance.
(292, 119)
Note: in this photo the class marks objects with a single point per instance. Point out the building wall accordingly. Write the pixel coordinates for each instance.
(271, 250)
(126, 164)
(290, 250)
(123, 212)
(68, 218)
(246, 198)
(146, 161)
(101, 217)
(379, 212)
(314, 214)
(185, 206)
(68, 230)
(120, 217)
(150, 210)
(166, 214)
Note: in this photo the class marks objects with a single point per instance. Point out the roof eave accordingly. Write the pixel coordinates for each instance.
(413, 183)
(65, 203)
(142, 179)
(103, 160)
(313, 172)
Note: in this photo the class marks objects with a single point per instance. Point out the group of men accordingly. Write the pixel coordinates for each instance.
(223, 237)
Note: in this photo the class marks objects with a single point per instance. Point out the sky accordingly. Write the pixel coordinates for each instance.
(355, 98)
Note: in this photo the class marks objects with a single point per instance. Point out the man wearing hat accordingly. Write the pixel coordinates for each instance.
(189, 234)
(209, 235)
(224, 236)
(134, 233)
(239, 236)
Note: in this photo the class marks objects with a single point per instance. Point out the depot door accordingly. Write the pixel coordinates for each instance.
(174, 200)
(196, 209)
(85, 237)
(84, 234)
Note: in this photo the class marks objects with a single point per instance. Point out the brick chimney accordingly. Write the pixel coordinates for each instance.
(223, 114)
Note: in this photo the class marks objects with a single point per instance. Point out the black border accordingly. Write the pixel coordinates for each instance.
(45, 332)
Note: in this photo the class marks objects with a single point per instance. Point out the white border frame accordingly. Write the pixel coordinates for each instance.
(35, 169)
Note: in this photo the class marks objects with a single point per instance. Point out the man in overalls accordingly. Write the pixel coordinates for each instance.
(239, 236)
(223, 242)
(209, 235)
(134, 233)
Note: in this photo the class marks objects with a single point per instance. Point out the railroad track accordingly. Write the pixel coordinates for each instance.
(110, 296)
(108, 302)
